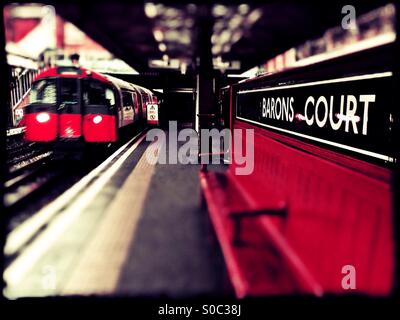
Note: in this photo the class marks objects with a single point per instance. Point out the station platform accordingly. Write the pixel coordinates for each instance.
(134, 231)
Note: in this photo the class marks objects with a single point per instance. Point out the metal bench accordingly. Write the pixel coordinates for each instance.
(291, 225)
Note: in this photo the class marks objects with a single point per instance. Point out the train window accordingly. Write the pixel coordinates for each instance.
(98, 94)
(110, 97)
(135, 100)
(127, 99)
(43, 91)
(69, 90)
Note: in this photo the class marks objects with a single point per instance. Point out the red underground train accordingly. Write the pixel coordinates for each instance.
(73, 104)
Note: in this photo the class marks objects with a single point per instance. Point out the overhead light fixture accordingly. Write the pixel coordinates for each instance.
(189, 22)
(219, 10)
(236, 36)
(235, 76)
(254, 15)
(158, 35)
(235, 21)
(225, 65)
(171, 12)
(226, 48)
(150, 9)
(174, 23)
(183, 67)
(191, 7)
(225, 36)
(244, 9)
(216, 49)
(162, 47)
(184, 38)
(218, 26)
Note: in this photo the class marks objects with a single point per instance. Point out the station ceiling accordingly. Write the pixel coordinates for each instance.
(152, 36)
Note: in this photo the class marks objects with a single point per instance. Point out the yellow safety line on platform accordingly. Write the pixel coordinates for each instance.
(98, 270)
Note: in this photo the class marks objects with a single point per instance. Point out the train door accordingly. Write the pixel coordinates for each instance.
(127, 108)
(136, 106)
(144, 105)
(120, 109)
(69, 108)
(141, 104)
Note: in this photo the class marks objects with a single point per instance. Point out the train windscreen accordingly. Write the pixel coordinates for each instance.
(96, 93)
(43, 92)
(69, 90)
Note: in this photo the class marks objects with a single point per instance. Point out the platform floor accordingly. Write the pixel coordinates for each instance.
(143, 234)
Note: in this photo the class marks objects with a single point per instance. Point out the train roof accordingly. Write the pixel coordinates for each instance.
(82, 73)
(120, 83)
(69, 72)
(148, 91)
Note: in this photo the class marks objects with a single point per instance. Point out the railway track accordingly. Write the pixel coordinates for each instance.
(27, 169)
(36, 160)
(24, 231)
(27, 240)
(21, 153)
(26, 185)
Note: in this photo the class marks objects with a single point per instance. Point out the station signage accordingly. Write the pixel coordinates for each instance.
(351, 113)
(152, 113)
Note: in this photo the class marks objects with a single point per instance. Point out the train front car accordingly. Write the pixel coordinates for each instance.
(69, 104)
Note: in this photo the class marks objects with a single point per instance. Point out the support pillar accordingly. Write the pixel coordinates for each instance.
(4, 113)
(396, 154)
(204, 76)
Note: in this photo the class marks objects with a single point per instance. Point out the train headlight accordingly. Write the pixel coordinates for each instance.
(97, 119)
(42, 117)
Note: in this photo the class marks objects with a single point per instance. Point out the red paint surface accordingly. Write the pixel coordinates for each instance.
(97, 76)
(53, 72)
(41, 132)
(70, 125)
(46, 73)
(339, 213)
(105, 131)
(20, 27)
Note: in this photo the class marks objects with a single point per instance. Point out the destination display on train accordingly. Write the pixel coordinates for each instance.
(350, 113)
